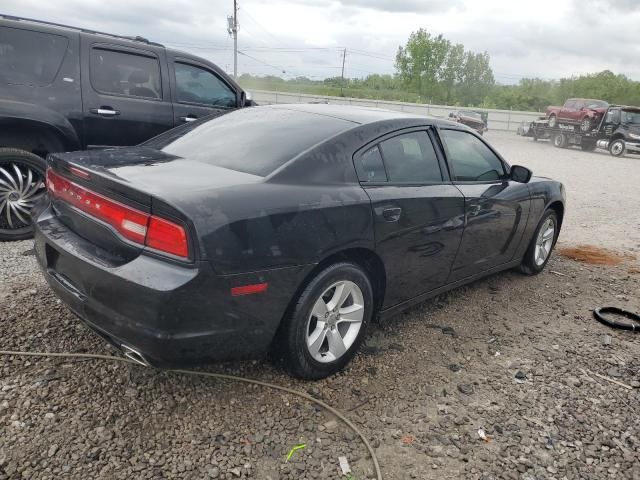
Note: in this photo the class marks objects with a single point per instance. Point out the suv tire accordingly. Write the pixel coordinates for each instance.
(22, 183)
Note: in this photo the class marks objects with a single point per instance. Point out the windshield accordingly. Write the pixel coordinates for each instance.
(631, 116)
(596, 104)
(470, 114)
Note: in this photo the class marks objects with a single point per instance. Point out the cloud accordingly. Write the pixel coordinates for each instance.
(522, 38)
(407, 6)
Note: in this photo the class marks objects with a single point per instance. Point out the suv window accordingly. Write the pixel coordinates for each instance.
(197, 85)
(30, 58)
(369, 166)
(470, 159)
(411, 158)
(127, 74)
(569, 104)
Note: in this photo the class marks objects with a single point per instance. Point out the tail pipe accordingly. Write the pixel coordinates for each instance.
(134, 355)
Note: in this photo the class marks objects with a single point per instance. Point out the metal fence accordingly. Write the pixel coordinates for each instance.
(507, 120)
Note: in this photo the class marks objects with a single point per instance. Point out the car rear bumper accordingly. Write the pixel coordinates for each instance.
(171, 314)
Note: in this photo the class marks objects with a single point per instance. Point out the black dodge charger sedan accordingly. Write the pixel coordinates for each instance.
(283, 228)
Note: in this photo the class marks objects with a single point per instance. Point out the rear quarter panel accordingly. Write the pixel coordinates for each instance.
(266, 226)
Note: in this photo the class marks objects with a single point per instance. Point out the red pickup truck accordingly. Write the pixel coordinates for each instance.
(584, 112)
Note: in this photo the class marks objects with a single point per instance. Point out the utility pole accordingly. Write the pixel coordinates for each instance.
(344, 56)
(233, 30)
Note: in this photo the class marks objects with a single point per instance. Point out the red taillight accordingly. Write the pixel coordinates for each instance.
(132, 224)
(167, 236)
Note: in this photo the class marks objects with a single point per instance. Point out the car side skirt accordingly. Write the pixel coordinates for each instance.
(399, 308)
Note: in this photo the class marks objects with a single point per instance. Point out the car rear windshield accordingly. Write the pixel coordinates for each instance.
(28, 57)
(254, 140)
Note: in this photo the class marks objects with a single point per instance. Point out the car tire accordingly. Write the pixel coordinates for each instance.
(553, 121)
(617, 148)
(313, 341)
(22, 183)
(560, 140)
(533, 262)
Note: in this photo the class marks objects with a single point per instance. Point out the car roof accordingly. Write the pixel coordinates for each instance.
(588, 99)
(356, 114)
(53, 26)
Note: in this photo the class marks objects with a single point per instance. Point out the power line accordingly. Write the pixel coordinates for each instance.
(260, 26)
(263, 62)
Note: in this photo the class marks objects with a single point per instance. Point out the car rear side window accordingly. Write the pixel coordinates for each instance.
(120, 73)
(197, 85)
(369, 166)
(470, 159)
(30, 58)
(411, 158)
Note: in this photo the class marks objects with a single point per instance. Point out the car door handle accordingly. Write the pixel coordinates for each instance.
(189, 118)
(391, 214)
(105, 111)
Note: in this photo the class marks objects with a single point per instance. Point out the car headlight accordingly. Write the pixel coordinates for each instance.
(635, 136)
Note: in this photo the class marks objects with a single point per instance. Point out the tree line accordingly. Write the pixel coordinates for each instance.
(431, 69)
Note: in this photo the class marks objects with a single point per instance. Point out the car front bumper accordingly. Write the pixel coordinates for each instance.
(171, 314)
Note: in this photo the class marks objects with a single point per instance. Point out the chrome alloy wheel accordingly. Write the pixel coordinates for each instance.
(617, 148)
(544, 242)
(335, 321)
(20, 188)
(585, 125)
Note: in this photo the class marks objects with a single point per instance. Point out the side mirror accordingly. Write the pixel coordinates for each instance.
(245, 99)
(520, 174)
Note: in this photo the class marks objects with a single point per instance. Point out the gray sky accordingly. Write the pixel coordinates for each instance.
(544, 38)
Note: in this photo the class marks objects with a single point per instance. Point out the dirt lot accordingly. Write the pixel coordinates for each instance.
(519, 357)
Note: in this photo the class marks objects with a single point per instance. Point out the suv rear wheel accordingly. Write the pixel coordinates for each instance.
(22, 183)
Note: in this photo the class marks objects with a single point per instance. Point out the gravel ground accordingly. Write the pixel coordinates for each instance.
(519, 357)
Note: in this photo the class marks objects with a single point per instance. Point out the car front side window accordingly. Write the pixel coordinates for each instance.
(470, 159)
(197, 85)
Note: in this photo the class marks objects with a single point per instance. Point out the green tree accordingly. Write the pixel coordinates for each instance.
(421, 62)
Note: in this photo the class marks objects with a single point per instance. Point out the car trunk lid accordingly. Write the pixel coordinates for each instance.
(148, 181)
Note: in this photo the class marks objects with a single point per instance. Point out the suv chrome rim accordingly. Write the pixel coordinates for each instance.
(544, 242)
(586, 125)
(20, 188)
(335, 321)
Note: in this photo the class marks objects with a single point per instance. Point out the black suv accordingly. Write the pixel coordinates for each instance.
(64, 88)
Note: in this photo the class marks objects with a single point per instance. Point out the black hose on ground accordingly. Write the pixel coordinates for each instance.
(633, 325)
